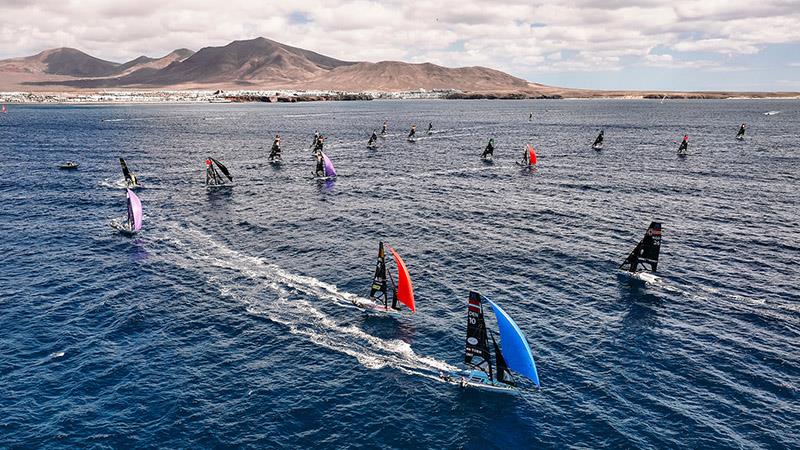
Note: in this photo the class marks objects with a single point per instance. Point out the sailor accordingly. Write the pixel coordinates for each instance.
(599, 139)
(383, 130)
(684, 144)
(413, 132)
(741, 131)
(430, 127)
(276, 148)
(489, 150)
(211, 174)
(463, 382)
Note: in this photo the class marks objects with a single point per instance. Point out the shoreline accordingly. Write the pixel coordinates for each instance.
(178, 97)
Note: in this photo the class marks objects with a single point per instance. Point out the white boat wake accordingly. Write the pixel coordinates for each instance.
(294, 306)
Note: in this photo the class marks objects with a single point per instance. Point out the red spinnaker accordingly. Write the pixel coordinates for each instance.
(405, 291)
(531, 155)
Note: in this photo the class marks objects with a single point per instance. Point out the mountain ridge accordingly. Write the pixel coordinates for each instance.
(254, 63)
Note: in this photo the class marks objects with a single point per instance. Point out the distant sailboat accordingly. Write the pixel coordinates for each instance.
(402, 290)
(130, 179)
(528, 157)
(514, 355)
(213, 178)
(740, 133)
(598, 142)
(4, 109)
(134, 221)
(643, 260)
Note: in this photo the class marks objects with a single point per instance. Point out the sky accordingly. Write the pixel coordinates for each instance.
(612, 44)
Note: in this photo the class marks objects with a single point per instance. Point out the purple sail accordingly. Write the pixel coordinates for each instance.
(329, 170)
(134, 211)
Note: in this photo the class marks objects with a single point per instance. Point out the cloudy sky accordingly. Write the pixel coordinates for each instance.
(614, 44)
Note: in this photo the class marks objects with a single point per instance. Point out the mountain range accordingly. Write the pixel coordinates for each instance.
(249, 64)
(263, 64)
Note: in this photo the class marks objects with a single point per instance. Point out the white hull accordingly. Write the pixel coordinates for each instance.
(646, 277)
(472, 381)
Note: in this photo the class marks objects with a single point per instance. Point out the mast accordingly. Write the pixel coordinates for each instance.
(477, 350)
(379, 286)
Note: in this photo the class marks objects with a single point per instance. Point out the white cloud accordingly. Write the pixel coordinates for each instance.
(523, 37)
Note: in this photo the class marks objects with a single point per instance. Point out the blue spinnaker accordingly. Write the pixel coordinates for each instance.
(516, 350)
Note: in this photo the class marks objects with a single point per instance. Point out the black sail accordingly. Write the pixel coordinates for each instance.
(379, 286)
(646, 251)
(500, 363)
(477, 342)
(222, 168)
(125, 170)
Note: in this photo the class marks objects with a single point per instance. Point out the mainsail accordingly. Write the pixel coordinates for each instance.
(379, 288)
(516, 351)
(129, 177)
(329, 170)
(646, 251)
(134, 212)
(477, 343)
(405, 290)
(222, 168)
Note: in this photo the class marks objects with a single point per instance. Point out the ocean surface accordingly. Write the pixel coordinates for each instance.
(227, 322)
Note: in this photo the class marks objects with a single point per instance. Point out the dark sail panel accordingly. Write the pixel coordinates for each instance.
(223, 169)
(651, 245)
(477, 348)
(646, 251)
(125, 170)
(379, 285)
(500, 364)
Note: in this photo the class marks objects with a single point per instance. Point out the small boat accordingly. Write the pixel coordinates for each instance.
(598, 142)
(213, 178)
(528, 157)
(4, 109)
(643, 260)
(771, 113)
(70, 165)
(402, 290)
(133, 223)
(740, 133)
(130, 179)
(513, 353)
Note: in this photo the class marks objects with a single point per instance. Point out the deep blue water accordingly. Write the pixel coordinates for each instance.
(226, 322)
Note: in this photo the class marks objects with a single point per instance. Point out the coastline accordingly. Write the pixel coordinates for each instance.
(297, 96)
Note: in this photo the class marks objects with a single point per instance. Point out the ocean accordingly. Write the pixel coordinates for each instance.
(227, 322)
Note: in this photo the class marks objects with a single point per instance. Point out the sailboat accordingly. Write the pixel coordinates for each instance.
(4, 109)
(328, 171)
(402, 290)
(643, 260)
(528, 157)
(514, 353)
(134, 220)
(598, 142)
(130, 179)
(213, 178)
